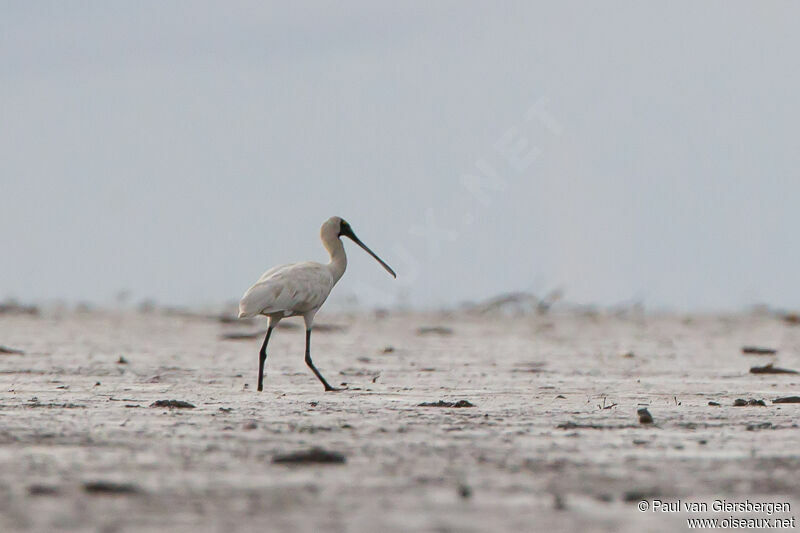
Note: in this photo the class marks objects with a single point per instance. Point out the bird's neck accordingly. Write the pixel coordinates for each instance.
(338, 258)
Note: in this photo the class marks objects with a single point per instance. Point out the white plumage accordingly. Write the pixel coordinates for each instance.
(290, 290)
(300, 289)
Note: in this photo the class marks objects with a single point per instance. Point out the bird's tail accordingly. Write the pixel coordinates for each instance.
(244, 313)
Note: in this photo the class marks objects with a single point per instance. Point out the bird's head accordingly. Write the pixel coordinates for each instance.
(336, 227)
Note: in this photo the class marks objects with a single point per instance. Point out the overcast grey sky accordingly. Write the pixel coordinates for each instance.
(179, 149)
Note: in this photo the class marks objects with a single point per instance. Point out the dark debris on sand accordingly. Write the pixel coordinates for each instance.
(792, 318)
(110, 488)
(434, 330)
(13, 307)
(582, 425)
(34, 402)
(43, 490)
(769, 369)
(10, 351)
(758, 350)
(312, 456)
(787, 399)
(241, 335)
(172, 404)
(578, 425)
(644, 416)
(330, 328)
(442, 403)
(741, 402)
(637, 495)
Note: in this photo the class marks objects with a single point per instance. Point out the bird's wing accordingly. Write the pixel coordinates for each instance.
(294, 288)
(266, 275)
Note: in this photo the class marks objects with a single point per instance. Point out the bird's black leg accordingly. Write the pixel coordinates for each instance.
(310, 363)
(262, 357)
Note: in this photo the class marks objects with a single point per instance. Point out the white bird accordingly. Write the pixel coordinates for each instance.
(301, 289)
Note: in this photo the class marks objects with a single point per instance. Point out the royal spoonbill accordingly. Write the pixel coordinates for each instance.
(301, 289)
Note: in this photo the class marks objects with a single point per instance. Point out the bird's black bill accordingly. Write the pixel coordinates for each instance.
(348, 232)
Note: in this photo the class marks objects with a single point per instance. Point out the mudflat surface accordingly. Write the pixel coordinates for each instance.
(553, 441)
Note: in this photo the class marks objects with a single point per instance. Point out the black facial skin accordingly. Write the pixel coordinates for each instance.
(346, 230)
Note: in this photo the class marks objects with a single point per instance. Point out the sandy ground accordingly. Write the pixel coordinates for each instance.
(537, 452)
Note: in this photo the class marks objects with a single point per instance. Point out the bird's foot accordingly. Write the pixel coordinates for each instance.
(334, 389)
